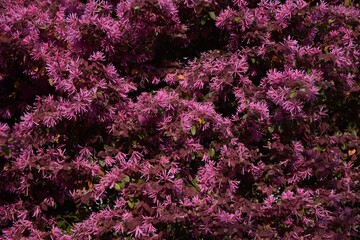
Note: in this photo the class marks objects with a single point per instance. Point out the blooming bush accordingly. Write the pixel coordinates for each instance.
(170, 119)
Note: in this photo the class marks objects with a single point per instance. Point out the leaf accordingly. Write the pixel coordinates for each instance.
(326, 49)
(60, 223)
(119, 186)
(201, 121)
(102, 163)
(101, 173)
(140, 181)
(212, 15)
(181, 77)
(212, 152)
(194, 182)
(131, 204)
(270, 129)
(90, 185)
(127, 178)
(193, 130)
(280, 129)
(6, 150)
(293, 95)
(347, 3)
(352, 152)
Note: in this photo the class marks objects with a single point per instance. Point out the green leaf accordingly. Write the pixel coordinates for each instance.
(212, 152)
(212, 15)
(127, 178)
(326, 49)
(270, 129)
(280, 129)
(293, 95)
(343, 146)
(6, 150)
(253, 60)
(193, 130)
(102, 163)
(319, 148)
(131, 204)
(120, 185)
(194, 182)
(117, 187)
(140, 181)
(60, 223)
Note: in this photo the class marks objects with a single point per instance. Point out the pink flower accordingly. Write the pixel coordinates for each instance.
(148, 228)
(119, 227)
(97, 56)
(37, 211)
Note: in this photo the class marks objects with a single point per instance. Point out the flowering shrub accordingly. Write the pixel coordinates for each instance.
(169, 119)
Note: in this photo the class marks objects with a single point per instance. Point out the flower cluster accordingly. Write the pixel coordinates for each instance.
(179, 119)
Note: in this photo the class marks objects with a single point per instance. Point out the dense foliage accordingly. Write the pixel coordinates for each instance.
(179, 119)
